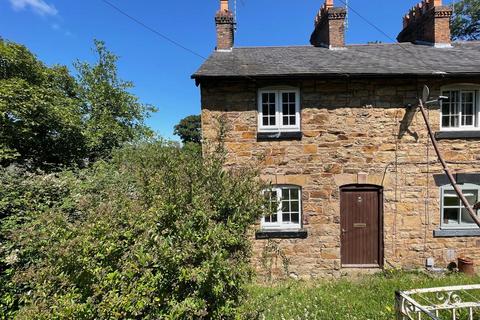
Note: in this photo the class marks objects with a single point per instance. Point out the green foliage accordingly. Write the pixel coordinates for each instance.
(158, 232)
(189, 129)
(371, 297)
(466, 20)
(48, 119)
(112, 114)
(39, 114)
(23, 195)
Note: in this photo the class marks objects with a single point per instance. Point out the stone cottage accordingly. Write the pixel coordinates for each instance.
(335, 129)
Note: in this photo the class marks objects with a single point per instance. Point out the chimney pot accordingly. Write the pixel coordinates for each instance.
(223, 5)
(329, 26)
(427, 23)
(225, 24)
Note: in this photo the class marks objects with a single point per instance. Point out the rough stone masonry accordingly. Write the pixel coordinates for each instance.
(349, 127)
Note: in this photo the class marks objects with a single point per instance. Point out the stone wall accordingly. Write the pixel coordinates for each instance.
(349, 126)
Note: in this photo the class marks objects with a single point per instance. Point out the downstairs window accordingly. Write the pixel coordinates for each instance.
(285, 203)
(454, 213)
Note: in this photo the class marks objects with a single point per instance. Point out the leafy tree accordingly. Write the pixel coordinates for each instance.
(189, 129)
(112, 114)
(50, 119)
(158, 232)
(466, 21)
(40, 120)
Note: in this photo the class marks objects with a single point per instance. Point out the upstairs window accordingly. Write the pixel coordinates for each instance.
(279, 110)
(285, 203)
(454, 213)
(461, 110)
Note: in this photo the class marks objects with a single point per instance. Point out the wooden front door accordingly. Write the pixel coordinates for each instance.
(361, 215)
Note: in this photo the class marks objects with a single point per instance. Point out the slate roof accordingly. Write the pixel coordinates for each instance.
(371, 59)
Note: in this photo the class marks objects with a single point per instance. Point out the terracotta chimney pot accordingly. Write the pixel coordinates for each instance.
(223, 5)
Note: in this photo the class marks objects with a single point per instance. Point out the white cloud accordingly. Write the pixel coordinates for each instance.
(38, 6)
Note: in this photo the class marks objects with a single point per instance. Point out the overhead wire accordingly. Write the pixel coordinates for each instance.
(167, 38)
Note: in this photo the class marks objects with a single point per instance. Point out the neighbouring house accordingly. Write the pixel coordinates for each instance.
(335, 129)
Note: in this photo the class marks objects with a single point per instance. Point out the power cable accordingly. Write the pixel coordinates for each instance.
(152, 29)
(167, 38)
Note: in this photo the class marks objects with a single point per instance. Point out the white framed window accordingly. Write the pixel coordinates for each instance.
(454, 214)
(286, 205)
(278, 110)
(461, 111)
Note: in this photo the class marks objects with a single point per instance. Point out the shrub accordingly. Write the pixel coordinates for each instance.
(158, 232)
(23, 195)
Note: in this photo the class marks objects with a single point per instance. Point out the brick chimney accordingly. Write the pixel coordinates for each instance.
(225, 27)
(329, 27)
(427, 23)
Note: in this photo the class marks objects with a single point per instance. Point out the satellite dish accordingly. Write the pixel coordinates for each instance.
(426, 93)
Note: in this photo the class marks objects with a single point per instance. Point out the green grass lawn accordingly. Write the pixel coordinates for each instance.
(371, 297)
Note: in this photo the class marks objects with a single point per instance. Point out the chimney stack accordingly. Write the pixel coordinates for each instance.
(329, 27)
(225, 24)
(427, 23)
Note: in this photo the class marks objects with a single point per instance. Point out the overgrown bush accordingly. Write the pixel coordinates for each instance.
(23, 195)
(158, 232)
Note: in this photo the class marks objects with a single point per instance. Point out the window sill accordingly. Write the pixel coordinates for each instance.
(281, 234)
(460, 134)
(450, 233)
(286, 135)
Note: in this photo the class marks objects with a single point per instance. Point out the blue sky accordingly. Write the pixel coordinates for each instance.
(61, 31)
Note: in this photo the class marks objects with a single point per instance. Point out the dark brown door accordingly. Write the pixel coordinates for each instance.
(361, 210)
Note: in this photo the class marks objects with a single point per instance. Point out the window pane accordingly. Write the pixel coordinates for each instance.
(286, 121)
(451, 199)
(468, 121)
(467, 97)
(285, 206)
(450, 216)
(272, 120)
(468, 108)
(451, 109)
(445, 108)
(454, 122)
(288, 104)
(446, 121)
(294, 194)
(272, 97)
(285, 108)
(472, 196)
(286, 194)
(265, 109)
(265, 121)
(292, 120)
(286, 218)
(271, 197)
(466, 217)
(268, 109)
(271, 109)
(295, 217)
(292, 108)
(294, 206)
(264, 97)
